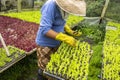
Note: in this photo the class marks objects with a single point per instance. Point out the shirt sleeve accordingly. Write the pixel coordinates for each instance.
(47, 17)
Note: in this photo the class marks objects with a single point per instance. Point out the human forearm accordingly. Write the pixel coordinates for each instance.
(51, 33)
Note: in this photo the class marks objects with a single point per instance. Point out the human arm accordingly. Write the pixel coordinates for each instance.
(51, 34)
(62, 37)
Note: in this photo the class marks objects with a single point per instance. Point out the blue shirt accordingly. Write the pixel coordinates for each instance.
(51, 19)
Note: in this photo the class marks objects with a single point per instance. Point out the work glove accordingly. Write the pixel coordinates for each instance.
(67, 39)
(71, 32)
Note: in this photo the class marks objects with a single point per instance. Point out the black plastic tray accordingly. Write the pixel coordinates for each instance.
(55, 77)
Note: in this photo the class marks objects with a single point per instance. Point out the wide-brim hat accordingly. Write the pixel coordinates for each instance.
(76, 7)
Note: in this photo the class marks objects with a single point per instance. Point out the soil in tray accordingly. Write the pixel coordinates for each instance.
(15, 53)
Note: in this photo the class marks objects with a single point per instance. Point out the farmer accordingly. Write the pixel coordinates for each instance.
(52, 26)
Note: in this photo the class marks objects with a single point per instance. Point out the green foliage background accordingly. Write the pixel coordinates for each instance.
(95, 7)
(113, 10)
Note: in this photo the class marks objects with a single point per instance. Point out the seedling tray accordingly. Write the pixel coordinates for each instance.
(21, 34)
(14, 60)
(30, 52)
(69, 63)
(53, 76)
(110, 57)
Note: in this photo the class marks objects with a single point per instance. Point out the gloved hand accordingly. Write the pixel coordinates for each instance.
(65, 38)
(71, 32)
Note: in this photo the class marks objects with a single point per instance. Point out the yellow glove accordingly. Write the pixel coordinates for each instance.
(65, 38)
(71, 32)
